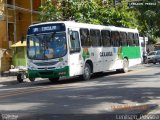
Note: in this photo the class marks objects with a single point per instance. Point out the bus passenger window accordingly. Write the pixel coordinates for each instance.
(74, 42)
(130, 38)
(136, 38)
(84, 34)
(115, 39)
(95, 37)
(123, 38)
(106, 39)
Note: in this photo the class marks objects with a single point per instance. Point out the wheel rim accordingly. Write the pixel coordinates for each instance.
(125, 65)
(21, 76)
(87, 72)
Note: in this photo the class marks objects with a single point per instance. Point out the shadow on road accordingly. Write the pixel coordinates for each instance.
(95, 93)
(14, 83)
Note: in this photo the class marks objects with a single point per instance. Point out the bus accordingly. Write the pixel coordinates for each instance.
(68, 48)
(143, 41)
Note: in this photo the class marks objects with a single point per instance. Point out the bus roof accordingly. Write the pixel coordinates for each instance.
(90, 26)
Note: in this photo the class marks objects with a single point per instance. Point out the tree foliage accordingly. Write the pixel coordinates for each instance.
(87, 11)
(145, 18)
(148, 19)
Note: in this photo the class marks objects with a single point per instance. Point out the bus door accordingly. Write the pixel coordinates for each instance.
(75, 57)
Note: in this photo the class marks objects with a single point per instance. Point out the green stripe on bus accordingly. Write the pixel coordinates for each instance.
(49, 73)
(131, 52)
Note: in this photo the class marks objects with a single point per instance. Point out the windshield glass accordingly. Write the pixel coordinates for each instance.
(46, 46)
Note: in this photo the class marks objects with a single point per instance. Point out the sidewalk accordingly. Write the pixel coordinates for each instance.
(8, 80)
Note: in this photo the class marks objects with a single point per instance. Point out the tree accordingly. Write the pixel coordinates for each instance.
(95, 12)
(50, 12)
(148, 19)
(118, 15)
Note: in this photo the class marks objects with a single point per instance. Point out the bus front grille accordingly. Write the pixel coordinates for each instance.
(46, 63)
(46, 73)
(48, 68)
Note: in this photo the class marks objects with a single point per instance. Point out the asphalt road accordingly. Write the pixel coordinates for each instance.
(107, 93)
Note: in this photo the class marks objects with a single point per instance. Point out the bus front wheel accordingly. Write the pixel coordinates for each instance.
(87, 72)
(20, 77)
(125, 66)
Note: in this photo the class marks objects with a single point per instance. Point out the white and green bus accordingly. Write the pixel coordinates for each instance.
(68, 48)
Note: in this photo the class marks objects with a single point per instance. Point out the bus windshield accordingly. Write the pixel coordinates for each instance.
(46, 46)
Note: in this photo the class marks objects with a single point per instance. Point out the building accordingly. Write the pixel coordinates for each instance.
(15, 17)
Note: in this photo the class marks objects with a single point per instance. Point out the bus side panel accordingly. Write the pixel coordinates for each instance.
(75, 64)
(96, 58)
(133, 54)
(110, 58)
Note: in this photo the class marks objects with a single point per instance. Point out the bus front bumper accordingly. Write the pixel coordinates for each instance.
(48, 73)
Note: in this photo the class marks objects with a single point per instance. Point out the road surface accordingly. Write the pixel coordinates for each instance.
(106, 93)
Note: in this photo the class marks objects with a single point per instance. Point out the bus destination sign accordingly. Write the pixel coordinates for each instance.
(46, 28)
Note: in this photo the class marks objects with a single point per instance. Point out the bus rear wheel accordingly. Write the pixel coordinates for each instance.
(87, 72)
(125, 66)
(56, 79)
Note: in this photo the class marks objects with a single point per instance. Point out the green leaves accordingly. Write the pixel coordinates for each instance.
(145, 18)
(95, 12)
(49, 12)
(148, 20)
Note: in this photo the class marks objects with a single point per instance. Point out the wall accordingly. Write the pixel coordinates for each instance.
(3, 35)
(21, 17)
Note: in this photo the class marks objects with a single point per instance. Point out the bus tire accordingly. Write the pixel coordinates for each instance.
(20, 77)
(56, 79)
(125, 65)
(32, 79)
(87, 72)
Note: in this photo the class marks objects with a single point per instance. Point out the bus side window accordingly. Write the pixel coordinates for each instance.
(106, 38)
(130, 38)
(123, 38)
(115, 39)
(74, 42)
(84, 34)
(95, 37)
(136, 38)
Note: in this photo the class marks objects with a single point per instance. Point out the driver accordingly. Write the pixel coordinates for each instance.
(49, 52)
